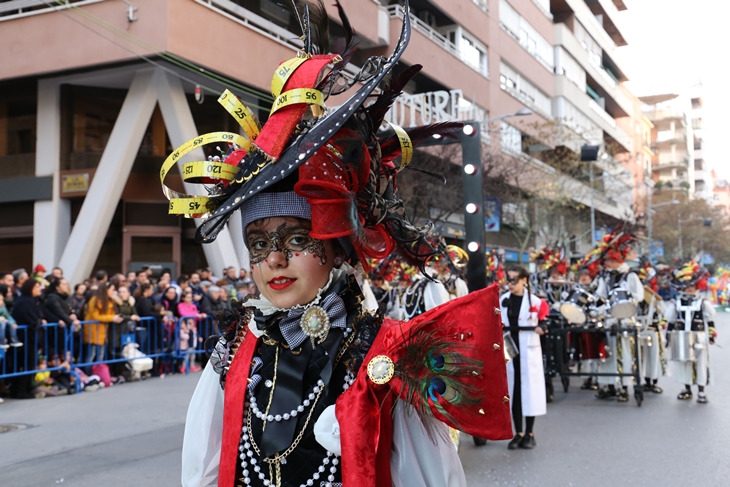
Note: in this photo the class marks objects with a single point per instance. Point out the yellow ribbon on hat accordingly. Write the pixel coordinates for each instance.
(309, 96)
(194, 172)
(243, 115)
(283, 72)
(185, 204)
(406, 145)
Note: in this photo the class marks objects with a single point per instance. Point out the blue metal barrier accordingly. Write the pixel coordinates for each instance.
(84, 344)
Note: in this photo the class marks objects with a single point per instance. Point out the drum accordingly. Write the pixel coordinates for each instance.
(684, 345)
(590, 346)
(621, 304)
(575, 308)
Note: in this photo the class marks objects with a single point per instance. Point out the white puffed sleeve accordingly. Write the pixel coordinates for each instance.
(461, 288)
(203, 432)
(635, 287)
(434, 295)
(416, 461)
(369, 302)
(708, 310)
(670, 312)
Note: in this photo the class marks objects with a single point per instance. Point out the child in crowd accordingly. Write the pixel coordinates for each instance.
(188, 336)
(62, 378)
(7, 326)
(43, 384)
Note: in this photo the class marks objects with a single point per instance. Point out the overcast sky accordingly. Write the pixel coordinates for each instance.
(673, 44)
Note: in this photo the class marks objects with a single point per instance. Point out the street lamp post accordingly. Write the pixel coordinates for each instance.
(470, 140)
(589, 153)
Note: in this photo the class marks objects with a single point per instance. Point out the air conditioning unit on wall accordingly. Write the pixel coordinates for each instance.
(427, 18)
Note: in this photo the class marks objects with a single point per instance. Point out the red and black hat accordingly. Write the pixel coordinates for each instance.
(337, 167)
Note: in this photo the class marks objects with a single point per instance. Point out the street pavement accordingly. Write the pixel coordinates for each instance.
(131, 435)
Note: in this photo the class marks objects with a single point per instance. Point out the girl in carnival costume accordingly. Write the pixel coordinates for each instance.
(304, 387)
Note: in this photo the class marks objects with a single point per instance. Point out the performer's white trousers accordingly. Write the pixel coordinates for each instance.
(651, 366)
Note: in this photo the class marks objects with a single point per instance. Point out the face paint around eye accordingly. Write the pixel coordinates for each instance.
(292, 240)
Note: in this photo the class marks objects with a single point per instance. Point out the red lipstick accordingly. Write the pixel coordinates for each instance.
(280, 283)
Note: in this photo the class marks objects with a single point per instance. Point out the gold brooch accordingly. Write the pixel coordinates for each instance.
(381, 369)
(315, 324)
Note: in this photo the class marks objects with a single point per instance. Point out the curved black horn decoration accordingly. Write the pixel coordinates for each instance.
(302, 148)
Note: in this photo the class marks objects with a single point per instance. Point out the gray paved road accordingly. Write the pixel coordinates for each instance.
(131, 435)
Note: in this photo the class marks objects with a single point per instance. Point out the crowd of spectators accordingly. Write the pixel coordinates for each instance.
(119, 303)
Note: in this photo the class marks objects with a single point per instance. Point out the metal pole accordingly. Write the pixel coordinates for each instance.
(471, 150)
(593, 210)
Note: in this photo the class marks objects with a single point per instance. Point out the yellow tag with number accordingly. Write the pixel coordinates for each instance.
(194, 172)
(309, 96)
(243, 115)
(194, 205)
(283, 73)
(406, 146)
(178, 201)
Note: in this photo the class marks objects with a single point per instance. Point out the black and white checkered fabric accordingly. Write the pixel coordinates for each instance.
(267, 205)
(254, 377)
(293, 333)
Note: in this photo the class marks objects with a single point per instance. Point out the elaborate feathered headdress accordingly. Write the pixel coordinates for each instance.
(339, 161)
(548, 258)
(615, 245)
(458, 256)
(690, 274)
(495, 267)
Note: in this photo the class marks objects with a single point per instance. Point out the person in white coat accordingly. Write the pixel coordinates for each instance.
(525, 372)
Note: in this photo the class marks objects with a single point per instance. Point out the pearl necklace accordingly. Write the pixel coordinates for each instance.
(246, 454)
(291, 414)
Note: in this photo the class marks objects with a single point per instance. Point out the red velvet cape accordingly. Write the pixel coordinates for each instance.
(365, 410)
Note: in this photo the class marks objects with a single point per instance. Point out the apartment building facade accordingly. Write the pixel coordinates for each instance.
(673, 141)
(93, 102)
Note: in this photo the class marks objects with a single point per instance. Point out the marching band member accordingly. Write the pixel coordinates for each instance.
(380, 288)
(551, 269)
(617, 276)
(651, 316)
(525, 372)
(549, 285)
(451, 271)
(692, 314)
(587, 281)
(495, 267)
(304, 386)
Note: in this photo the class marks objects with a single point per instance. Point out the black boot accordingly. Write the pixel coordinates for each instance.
(515, 443)
(528, 442)
(623, 395)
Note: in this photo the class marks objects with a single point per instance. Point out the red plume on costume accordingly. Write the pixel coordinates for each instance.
(331, 188)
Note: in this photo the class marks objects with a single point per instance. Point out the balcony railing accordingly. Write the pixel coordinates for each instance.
(482, 4)
(14, 9)
(425, 29)
(602, 113)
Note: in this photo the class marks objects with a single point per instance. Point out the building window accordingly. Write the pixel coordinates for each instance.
(696, 123)
(473, 53)
(522, 89)
(515, 25)
(511, 139)
(699, 163)
(18, 114)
